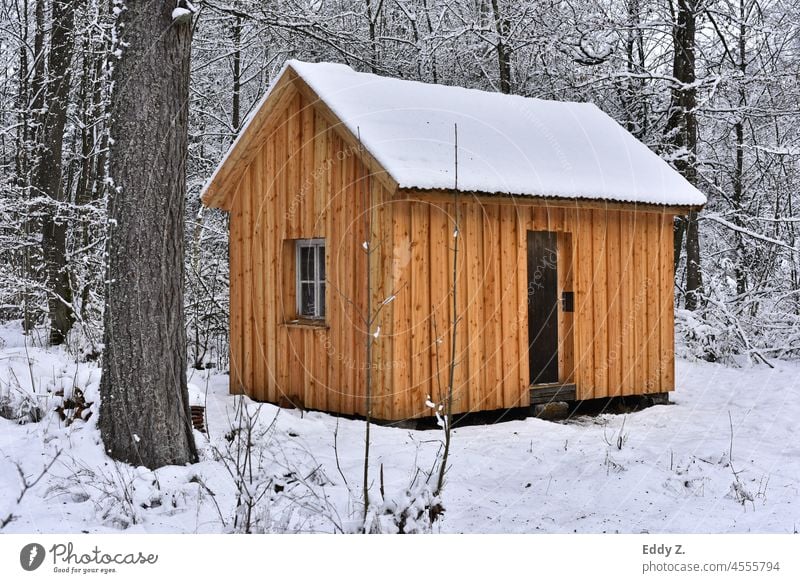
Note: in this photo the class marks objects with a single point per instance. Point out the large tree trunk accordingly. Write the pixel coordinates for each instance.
(682, 126)
(144, 411)
(48, 176)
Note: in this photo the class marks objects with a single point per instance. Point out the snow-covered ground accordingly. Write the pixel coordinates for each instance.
(665, 469)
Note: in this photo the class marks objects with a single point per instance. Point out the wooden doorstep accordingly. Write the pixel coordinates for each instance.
(546, 393)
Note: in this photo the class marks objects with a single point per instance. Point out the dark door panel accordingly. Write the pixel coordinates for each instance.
(543, 306)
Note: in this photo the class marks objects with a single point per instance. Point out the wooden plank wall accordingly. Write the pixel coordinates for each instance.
(305, 181)
(619, 340)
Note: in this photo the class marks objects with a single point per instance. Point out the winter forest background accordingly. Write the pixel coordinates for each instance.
(710, 85)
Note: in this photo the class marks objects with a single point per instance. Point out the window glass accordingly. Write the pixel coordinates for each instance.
(306, 263)
(311, 278)
(321, 262)
(307, 302)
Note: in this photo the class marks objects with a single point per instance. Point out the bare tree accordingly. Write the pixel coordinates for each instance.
(447, 417)
(502, 27)
(48, 174)
(682, 127)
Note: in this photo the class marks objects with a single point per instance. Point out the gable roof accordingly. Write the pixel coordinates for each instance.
(507, 144)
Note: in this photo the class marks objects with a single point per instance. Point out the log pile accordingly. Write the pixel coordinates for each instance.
(198, 417)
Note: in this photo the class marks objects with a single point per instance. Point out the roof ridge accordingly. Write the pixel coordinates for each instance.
(510, 144)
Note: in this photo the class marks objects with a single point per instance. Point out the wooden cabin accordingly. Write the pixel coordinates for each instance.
(343, 201)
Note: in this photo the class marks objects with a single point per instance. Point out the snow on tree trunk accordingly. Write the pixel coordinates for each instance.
(49, 174)
(683, 126)
(144, 412)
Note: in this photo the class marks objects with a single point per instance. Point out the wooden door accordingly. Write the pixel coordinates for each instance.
(543, 306)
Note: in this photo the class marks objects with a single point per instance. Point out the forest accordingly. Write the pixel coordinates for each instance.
(712, 86)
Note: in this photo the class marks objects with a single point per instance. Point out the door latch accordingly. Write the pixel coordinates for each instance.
(568, 301)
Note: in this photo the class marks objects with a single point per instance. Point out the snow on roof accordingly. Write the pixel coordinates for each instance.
(507, 144)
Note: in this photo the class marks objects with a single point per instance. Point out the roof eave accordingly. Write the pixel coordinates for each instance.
(217, 191)
(544, 200)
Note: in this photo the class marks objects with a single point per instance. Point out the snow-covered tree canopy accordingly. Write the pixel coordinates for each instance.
(617, 54)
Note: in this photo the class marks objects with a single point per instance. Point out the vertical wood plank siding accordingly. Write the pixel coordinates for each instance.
(307, 182)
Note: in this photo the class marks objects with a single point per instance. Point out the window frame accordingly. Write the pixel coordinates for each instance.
(318, 245)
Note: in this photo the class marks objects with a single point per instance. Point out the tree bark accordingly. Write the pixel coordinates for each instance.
(237, 74)
(503, 53)
(371, 18)
(48, 175)
(682, 128)
(37, 82)
(635, 107)
(144, 410)
(32, 141)
(738, 170)
(21, 160)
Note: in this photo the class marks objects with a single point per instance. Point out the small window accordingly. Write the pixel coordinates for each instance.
(310, 268)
